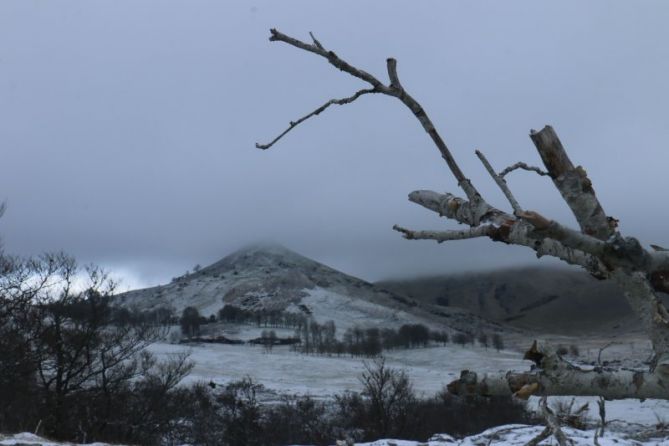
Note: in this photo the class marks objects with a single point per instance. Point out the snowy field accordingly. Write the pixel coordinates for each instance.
(509, 435)
(286, 372)
(283, 371)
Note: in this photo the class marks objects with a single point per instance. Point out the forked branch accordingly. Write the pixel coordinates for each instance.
(395, 90)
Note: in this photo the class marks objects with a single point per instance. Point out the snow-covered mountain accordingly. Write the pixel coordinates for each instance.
(271, 277)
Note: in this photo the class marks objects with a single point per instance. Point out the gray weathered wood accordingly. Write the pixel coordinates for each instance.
(573, 184)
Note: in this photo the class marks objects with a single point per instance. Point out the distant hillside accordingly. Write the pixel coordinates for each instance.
(275, 278)
(550, 300)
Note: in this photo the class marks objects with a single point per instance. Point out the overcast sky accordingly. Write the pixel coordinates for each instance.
(127, 128)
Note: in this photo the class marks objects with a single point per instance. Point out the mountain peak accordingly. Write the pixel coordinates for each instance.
(264, 255)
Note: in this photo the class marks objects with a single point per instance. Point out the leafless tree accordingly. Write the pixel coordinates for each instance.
(63, 359)
(597, 246)
(390, 394)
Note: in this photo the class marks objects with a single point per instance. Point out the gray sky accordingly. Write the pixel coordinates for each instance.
(127, 129)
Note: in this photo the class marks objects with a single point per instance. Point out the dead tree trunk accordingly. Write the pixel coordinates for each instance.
(597, 246)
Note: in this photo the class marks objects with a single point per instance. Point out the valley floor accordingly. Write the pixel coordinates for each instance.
(285, 372)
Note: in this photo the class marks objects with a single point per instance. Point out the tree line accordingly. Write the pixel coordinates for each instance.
(372, 341)
(312, 337)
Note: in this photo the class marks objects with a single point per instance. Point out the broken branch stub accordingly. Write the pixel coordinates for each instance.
(573, 184)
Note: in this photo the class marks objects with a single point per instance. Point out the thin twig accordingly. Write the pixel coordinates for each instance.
(316, 112)
(443, 236)
(341, 64)
(599, 355)
(315, 40)
(523, 166)
(601, 402)
(501, 183)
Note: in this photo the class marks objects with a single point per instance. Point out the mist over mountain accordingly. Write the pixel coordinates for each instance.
(270, 277)
(548, 300)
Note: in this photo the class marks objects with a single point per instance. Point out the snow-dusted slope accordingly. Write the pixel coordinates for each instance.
(271, 277)
(509, 435)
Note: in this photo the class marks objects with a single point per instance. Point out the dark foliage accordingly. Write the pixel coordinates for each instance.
(265, 318)
(66, 368)
(190, 322)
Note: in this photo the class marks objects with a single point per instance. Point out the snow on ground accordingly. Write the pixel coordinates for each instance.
(286, 371)
(25, 439)
(519, 435)
(509, 435)
(348, 312)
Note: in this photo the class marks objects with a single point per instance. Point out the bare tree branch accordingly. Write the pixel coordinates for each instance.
(553, 422)
(601, 404)
(598, 247)
(342, 65)
(460, 210)
(317, 112)
(521, 165)
(443, 236)
(510, 229)
(601, 350)
(396, 90)
(501, 183)
(568, 237)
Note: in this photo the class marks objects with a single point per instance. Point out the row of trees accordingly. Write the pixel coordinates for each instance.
(495, 340)
(262, 318)
(322, 338)
(358, 341)
(129, 316)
